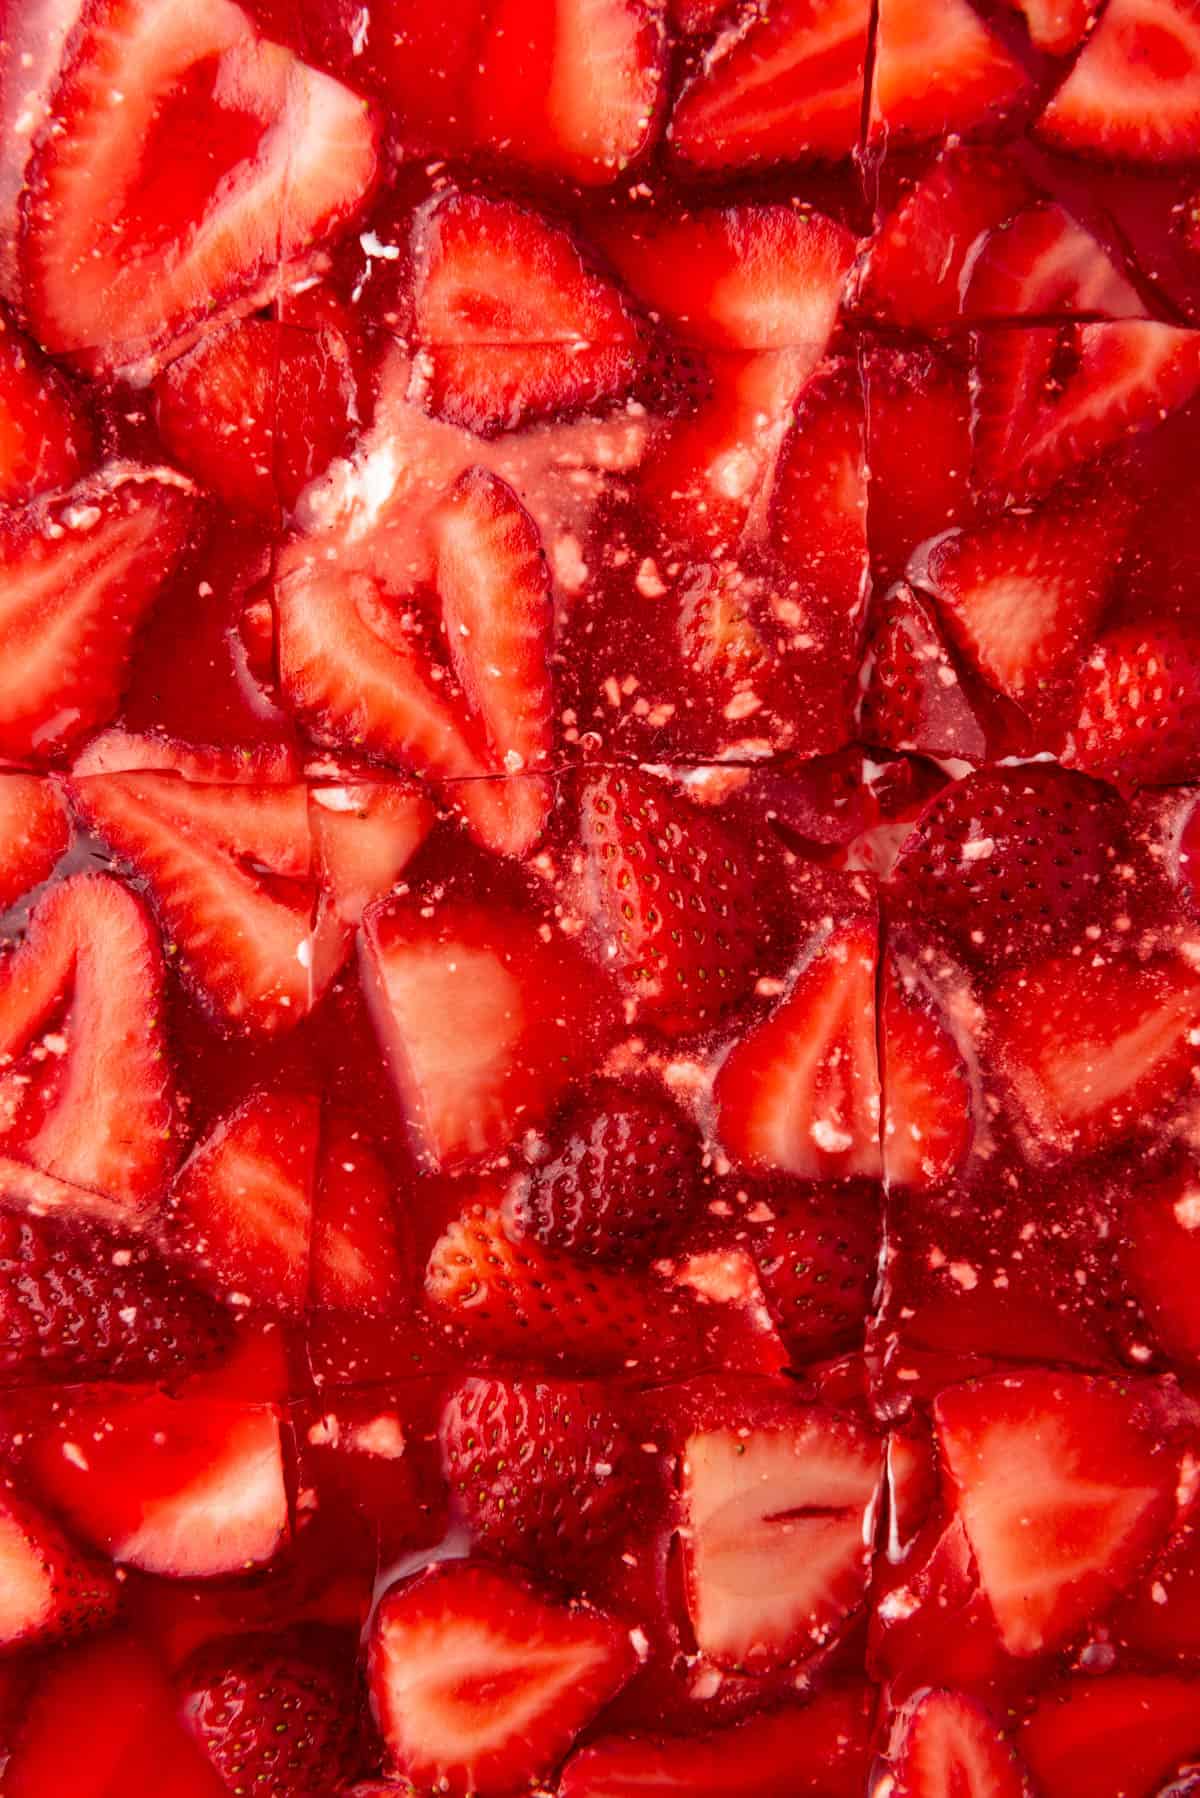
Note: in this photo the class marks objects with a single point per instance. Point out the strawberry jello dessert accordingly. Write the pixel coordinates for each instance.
(599, 898)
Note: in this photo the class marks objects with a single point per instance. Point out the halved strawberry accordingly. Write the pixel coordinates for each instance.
(799, 1093)
(1128, 95)
(49, 1590)
(543, 1471)
(1128, 1732)
(944, 1742)
(256, 410)
(185, 1487)
(483, 1020)
(1043, 263)
(1097, 1048)
(364, 833)
(480, 1685)
(240, 1211)
(1160, 1253)
(918, 452)
(1138, 706)
(940, 73)
(85, 1086)
(228, 868)
(571, 87)
(79, 573)
(34, 832)
(927, 1120)
(788, 85)
(914, 697)
(516, 326)
(45, 439)
(817, 1256)
(774, 1515)
(670, 893)
(120, 751)
(80, 1302)
(1056, 26)
(31, 55)
(1021, 593)
(1063, 1489)
(130, 242)
(357, 1255)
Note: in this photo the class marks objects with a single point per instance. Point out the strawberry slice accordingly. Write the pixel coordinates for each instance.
(120, 751)
(940, 74)
(571, 87)
(787, 87)
(80, 572)
(927, 1122)
(918, 452)
(670, 893)
(542, 1470)
(1021, 593)
(228, 870)
(130, 242)
(915, 698)
(189, 1488)
(818, 1751)
(256, 410)
(364, 834)
(1042, 263)
(80, 1302)
(773, 1537)
(50, 1590)
(240, 1211)
(482, 1019)
(1127, 96)
(31, 55)
(34, 832)
(945, 1742)
(817, 1257)
(85, 1092)
(275, 1711)
(480, 1685)
(1096, 1050)
(45, 440)
(1057, 26)
(357, 1254)
(800, 1092)
(1128, 1732)
(1138, 705)
(1160, 1253)
(515, 324)
(1063, 1490)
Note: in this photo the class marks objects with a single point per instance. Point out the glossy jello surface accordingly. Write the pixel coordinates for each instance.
(599, 899)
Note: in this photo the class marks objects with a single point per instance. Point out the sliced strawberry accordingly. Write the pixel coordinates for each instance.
(918, 453)
(915, 698)
(50, 1591)
(737, 277)
(625, 1182)
(944, 1742)
(1056, 26)
(800, 1092)
(130, 241)
(1160, 1253)
(1128, 95)
(497, 614)
(1042, 263)
(34, 832)
(256, 410)
(1021, 593)
(1103, 1738)
(85, 1087)
(80, 572)
(357, 1254)
(482, 1020)
(189, 1488)
(228, 868)
(480, 1685)
(542, 1470)
(818, 1751)
(817, 1257)
(79, 1302)
(571, 87)
(515, 324)
(45, 440)
(1096, 1049)
(1138, 706)
(364, 834)
(670, 893)
(787, 86)
(31, 54)
(120, 751)
(773, 1540)
(240, 1211)
(1049, 399)
(918, 266)
(927, 1122)
(938, 74)
(272, 1713)
(1063, 1490)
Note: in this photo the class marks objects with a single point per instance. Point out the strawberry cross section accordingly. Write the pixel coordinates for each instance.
(599, 914)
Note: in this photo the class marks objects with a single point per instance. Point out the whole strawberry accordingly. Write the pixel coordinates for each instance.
(817, 1258)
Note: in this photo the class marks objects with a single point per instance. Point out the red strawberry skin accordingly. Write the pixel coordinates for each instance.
(817, 1259)
(1138, 707)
